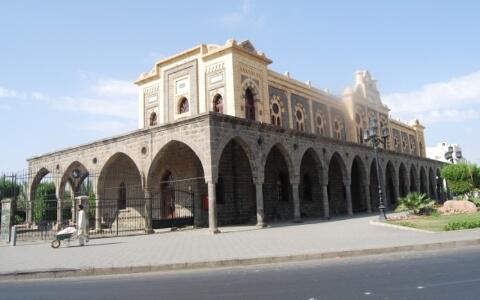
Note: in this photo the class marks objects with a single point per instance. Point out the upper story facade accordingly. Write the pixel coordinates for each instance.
(234, 79)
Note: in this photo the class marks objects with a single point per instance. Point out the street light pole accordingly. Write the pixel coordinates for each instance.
(371, 135)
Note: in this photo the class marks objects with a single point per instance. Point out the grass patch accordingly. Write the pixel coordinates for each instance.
(441, 223)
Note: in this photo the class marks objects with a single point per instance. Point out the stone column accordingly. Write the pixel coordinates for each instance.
(212, 208)
(366, 193)
(59, 213)
(326, 208)
(396, 192)
(98, 223)
(260, 210)
(349, 197)
(296, 203)
(148, 211)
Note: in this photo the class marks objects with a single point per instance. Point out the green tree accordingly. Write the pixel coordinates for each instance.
(44, 205)
(8, 189)
(461, 178)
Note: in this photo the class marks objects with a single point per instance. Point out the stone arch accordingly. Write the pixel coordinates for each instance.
(391, 183)
(40, 174)
(119, 177)
(403, 183)
(423, 181)
(277, 192)
(119, 168)
(235, 190)
(358, 175)
(251, 156)
(337, 174)
(44, 196)
(310, 189)
(413, 179)
(189, 186)
(74, 174)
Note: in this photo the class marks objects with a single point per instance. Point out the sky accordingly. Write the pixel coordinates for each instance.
(67, 67)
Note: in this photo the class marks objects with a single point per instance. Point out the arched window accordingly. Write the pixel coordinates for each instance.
(122, 196)
(249, 105)
(183, 106)
(307, 188)
(218, 103)
(153, 119)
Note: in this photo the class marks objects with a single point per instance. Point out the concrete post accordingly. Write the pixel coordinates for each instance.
(212, 208)
(326, 208)
(260, 210)
(148, 212)
(8, 220)
(296, 203)
(349, 197)
(366, 193)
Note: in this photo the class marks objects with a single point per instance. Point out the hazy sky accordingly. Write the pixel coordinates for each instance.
(66, 67)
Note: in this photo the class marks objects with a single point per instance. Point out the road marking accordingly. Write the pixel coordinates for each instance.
(367, 293)
(420, 287)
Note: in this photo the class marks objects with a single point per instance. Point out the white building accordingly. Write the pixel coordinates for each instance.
(440, 152)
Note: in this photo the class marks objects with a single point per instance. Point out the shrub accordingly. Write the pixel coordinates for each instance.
(416, 202)
(458, 225)
(475, 201)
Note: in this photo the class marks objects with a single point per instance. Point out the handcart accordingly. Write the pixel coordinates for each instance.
(66, 235)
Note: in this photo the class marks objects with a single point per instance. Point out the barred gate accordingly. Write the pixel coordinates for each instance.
(175, 208)
(41, 212)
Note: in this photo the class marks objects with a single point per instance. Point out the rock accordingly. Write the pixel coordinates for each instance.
(457, 207)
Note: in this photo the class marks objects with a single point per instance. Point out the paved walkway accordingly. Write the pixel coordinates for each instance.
(239, 242)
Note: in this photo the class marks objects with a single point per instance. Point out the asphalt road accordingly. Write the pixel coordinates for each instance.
(448, 274)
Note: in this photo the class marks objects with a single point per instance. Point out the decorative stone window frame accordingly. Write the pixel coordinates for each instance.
(300, 121)
(338, 127)
(180, 96)
(413, 147)
(250, 84)
(320, 126)
(148, 117)
(404, 145)
(276, 117)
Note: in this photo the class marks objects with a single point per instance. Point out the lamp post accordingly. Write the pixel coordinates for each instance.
(371, 135)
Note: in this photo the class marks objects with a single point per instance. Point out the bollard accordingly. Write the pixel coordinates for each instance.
(13, 237)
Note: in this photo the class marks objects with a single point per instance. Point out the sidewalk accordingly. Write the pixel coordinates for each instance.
(234, 246)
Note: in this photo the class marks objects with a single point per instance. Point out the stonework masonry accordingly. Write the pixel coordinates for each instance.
(250, 146)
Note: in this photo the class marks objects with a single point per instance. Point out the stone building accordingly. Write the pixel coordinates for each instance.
(240, 143)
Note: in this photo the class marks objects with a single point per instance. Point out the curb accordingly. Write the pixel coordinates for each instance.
(62, 273)
(384, 224)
